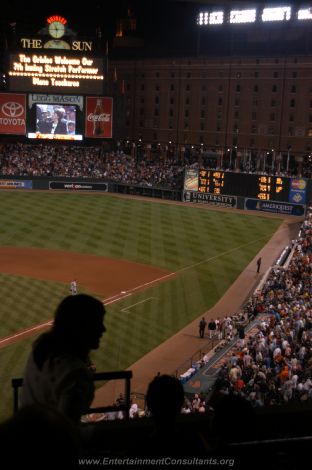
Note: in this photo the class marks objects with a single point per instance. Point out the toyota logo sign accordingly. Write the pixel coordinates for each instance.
(12, 109)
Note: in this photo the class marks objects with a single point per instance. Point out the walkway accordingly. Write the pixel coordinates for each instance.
(179, 348)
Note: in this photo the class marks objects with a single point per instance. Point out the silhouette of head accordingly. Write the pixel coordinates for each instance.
(79, 321)
(77, 328)
(165, 397)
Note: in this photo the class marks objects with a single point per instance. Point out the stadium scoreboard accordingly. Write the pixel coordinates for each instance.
(262, 187)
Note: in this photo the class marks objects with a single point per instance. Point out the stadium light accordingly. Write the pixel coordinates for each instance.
(305, 14)
(243, 16)
(214, 17)
(276, 14)
(281, 13)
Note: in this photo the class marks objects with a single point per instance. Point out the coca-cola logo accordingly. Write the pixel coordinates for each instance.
(104, 117)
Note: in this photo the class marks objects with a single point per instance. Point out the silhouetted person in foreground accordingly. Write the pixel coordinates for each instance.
(38, 437)
(58, 372)
(233, 419)
(233, 422)
(164, 399)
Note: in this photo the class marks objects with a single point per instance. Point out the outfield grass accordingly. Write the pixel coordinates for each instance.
(207, 249)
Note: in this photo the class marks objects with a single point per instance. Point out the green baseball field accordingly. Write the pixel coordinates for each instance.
(157, 266)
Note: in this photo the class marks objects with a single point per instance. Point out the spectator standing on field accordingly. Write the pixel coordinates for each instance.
(202, 326)
(73, 287)
(212, 328)
(58, 370)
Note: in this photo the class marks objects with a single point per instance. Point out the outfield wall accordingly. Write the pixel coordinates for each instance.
(88, 184)
(244, 203)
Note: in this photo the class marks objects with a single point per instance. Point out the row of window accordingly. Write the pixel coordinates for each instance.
(255, 102)
(221, 74)
(238, 89)
(217, 142)
(254, 129)
(220, 102)
(236, 114)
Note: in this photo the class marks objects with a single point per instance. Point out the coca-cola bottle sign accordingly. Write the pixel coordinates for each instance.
(99, 116)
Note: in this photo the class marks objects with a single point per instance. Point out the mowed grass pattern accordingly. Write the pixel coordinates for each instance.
(207, 249)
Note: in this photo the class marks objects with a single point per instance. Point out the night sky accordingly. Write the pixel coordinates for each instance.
(153, 15)
(168, 27)
(164, 24)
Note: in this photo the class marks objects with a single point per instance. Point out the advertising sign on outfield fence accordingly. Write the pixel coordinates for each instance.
(274, 206)
(78, 186)
(214, 199)
(15, 184)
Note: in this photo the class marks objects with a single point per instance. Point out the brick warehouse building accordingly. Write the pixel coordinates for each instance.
(241, 88)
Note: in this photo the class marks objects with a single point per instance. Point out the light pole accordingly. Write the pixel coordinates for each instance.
(133, 150)
(264, 160)
(288, 158)
(273, 160)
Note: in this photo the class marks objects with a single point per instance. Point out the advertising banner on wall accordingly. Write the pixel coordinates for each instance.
(213, 199)
(191, 179)
(99, 117)
(277, 207)
(40, 98)
(78, 186)
(12, 113)
(16, 184)
(297, 192)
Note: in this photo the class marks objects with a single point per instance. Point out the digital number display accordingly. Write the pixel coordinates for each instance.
(273, 188)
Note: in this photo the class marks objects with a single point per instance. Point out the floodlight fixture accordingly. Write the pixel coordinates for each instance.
(305, 14)
(282, 13)
(243, 16)
(213, 17)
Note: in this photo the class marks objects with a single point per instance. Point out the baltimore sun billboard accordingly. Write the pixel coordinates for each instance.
(56, 72)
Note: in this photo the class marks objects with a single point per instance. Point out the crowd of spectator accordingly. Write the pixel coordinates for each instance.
(30, 160)
(152, 170)
(257, 162)
(273, 366)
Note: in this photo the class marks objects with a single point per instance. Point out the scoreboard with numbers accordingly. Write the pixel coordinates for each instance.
(263, 187)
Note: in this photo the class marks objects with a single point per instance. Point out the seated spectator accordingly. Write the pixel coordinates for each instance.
(165, 399)
(39, 437)
(233, 420)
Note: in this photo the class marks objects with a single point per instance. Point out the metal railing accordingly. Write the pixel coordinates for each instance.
(103, 376)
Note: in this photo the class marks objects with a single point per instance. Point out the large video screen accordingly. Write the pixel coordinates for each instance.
(53, 121)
